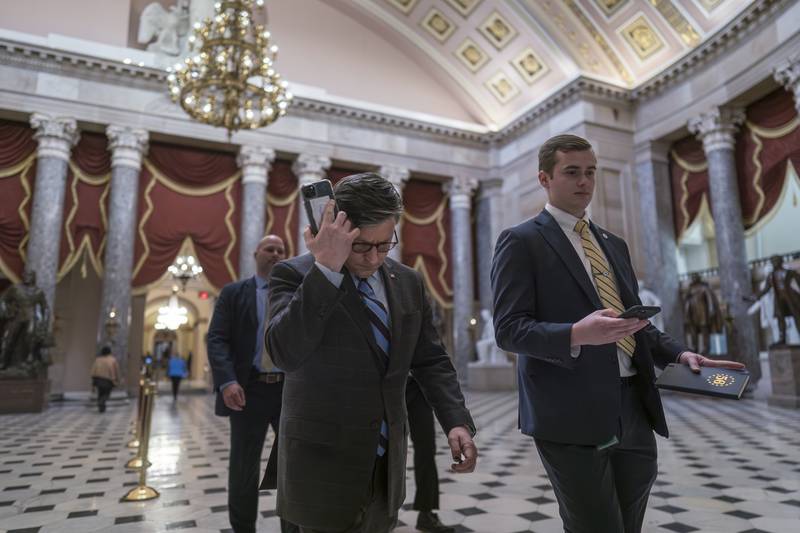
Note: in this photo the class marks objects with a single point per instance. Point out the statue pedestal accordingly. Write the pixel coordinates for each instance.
(784, 366)
(23, 395)
(492, 377)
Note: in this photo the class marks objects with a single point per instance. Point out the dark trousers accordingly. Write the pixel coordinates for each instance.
(104, 387)
(605, 490)
(248, 432)
(423, 436)
(375, 517)
(176, 385)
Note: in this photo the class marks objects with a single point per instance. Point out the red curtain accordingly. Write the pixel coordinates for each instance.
(426, 237)
(769, 140)
(188, 193)
(17, 176)
(689, 179)
(282, 205)
(86, 204)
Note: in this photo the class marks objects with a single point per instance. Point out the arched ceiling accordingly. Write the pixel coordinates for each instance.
(505, 56)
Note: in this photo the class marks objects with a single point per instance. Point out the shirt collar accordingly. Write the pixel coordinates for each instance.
(374, 278)
(261, 283)
(565, 220)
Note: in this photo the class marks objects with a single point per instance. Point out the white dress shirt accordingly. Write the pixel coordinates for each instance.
(567, 222)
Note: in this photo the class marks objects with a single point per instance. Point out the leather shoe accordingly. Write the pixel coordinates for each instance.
(429, 521)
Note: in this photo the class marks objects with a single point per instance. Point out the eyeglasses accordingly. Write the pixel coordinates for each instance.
(382, 247)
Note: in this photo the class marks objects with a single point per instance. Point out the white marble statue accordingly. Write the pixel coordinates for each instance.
(648, 297)
(168, 28)
(765, 307)
(489, 354)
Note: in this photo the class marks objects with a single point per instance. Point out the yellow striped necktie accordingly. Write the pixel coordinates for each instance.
(604, 280)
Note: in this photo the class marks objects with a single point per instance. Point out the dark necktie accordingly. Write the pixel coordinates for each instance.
(379, 321)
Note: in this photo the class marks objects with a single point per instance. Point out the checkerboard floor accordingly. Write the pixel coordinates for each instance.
(730, 467)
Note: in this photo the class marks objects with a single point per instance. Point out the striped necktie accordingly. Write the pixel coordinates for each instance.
(379, 321)
(603, 280)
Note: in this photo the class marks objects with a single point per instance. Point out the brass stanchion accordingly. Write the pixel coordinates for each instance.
(142, 492)
(137, 429)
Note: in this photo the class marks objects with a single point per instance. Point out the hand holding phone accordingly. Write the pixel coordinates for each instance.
(315, 197)
(333, 243)
(642, 312)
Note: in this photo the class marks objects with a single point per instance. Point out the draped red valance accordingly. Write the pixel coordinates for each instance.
(282, 217)
(86, 204)
(426, 237)
(187, 193)
(688, 171)
(768, 142)
(17, 176)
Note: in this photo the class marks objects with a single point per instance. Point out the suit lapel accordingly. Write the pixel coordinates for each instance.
(555, 237)
(250, 301)
(357, 310)
(396, 314)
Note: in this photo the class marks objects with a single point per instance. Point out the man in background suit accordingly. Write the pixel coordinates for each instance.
(347, 325)
(248, 386)
(586, 377)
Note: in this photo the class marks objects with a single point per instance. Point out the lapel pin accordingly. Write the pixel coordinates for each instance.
(605, 236)
(391, 276)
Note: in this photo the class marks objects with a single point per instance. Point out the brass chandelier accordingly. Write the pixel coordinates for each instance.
(228, 79)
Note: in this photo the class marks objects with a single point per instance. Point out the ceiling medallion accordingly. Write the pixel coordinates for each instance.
(438, 25)
(642, 37)
(502, 88)
(404, 5)
(497, 30)
(609, 7)
(529, 66)
(228, 80)
(472, 55)
(464, 7)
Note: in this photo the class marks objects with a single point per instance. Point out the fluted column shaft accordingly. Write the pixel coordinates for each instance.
(255, 162)
(128, 146)
(716, 129)
(788, 75)
(488, 225)
(308, 168)
(657, 235)
(56, 137)
(397, 176)
(460, 190)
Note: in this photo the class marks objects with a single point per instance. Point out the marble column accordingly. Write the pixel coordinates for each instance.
(460, 190)
(56, 137)
(397, 176)
(788, 75)
(128, 146)
(657, 232)
(255, 162)
(308, 168)
(488, 225)
(716, 129)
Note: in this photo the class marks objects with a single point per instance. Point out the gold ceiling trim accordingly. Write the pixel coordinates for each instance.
(498, 30)
(471, 55)
(438, 25)
(610, 7)
(600, 40)
(464, 7)
(679, 23)
(529, 65)
(642, 37)
(501, 87)
(404, 6)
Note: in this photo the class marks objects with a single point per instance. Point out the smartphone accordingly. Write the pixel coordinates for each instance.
(315, 197)
(642, 312)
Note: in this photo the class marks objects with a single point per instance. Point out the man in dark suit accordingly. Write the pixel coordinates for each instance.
(248, 384)
(347, 324)
(586, 377)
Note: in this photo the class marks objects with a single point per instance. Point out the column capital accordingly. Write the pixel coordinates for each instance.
(396, 175)
(127, 145)
(717, 128)
(256, 162)
(489, 188)
(788, 75)
(56, 136)
(310, 167)
(460, 189)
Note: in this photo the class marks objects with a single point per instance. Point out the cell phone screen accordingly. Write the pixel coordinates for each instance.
(318, 209)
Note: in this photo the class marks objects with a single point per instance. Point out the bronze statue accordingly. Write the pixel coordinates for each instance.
(787, 298)
(25, 335)
(701, 311)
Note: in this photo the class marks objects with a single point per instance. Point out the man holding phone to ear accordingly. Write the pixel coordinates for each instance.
(586, 376)
(347, 324)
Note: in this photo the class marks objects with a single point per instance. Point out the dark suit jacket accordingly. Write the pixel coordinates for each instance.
(232, 337)
(338, 388)
(540, 289)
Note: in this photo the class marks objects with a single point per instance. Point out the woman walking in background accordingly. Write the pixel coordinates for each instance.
(105, 375)
(176, 370)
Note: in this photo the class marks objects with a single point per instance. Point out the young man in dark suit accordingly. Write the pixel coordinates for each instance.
(347, 324)
(586, 378)
(248, 384)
